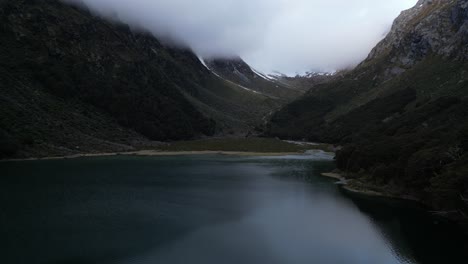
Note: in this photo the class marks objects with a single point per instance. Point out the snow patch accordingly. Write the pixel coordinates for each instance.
(206, 66)
(204, 63)
(243, 87)
(217, 75)
(264, 76)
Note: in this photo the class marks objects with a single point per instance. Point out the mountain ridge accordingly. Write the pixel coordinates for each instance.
(62, 66)
(400, 115)
(236, 70)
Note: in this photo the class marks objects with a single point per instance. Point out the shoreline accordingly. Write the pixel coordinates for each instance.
(365, 190)
(149, 153)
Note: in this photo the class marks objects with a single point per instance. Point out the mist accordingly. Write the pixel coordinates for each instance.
(289, 36)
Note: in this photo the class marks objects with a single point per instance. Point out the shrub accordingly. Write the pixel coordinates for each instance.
(8, 148)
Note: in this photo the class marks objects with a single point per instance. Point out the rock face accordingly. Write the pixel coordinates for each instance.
(73, 82)
(238, 71)
(436, 27)
(401, 115)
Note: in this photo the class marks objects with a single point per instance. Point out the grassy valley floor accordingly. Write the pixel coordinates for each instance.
(223, 146)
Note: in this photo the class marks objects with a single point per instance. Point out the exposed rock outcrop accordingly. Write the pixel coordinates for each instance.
(401, 115)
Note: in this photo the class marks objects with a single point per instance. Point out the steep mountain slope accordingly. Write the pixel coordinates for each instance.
(303, 82)
(69, 78)
(238, 71)
(401, 115)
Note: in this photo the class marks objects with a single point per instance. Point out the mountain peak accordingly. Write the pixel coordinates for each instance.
(236, 70)
(401, 112)
(431, 27)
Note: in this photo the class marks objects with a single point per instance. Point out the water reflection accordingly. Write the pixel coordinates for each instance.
(303, 228)
(199, 209)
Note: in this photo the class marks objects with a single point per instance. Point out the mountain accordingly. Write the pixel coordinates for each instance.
(401, 115)
(304, 82)
(238, 71)
(71, 81)
(277, 85)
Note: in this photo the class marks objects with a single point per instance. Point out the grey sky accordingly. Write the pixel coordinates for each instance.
(290, 36)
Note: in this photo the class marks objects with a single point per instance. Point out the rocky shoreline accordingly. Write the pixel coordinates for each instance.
(147, 153)
(356, 187)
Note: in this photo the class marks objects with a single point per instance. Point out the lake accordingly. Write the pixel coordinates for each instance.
(206, 209)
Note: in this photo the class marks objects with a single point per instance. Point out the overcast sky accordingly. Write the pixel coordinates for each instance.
(289, 36)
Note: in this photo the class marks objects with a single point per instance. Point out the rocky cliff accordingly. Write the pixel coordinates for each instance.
(401, 115)
(432, 27)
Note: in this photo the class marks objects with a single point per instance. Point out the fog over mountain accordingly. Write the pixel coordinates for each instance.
(290, 36)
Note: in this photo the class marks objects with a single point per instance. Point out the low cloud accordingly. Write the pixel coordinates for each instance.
(290, 36)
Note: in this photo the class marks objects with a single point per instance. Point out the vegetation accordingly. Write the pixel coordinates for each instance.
(263, 145)
(401, 115)
(238, 71)
(8, 147)
(408, 134)
(82, 82)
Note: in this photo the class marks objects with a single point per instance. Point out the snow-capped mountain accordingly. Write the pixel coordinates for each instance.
(237, 71)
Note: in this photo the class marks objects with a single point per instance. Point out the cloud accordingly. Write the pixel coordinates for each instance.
(284, 35)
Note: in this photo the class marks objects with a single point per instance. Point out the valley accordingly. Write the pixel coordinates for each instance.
(72, 82)
(121, 144)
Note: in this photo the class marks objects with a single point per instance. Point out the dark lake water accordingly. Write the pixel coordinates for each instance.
(205, 209)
